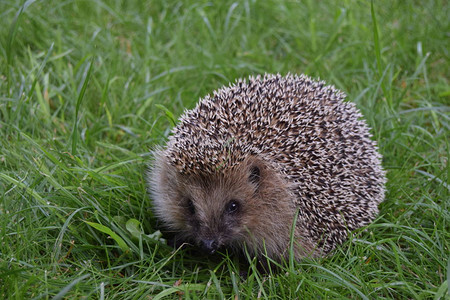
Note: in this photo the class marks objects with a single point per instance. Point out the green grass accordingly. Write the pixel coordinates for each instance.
(88, 87)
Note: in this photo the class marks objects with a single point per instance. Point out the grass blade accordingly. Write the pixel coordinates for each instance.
(85, 81)
(123, 246)
(68, 287)
(13, 29)
(377, 45)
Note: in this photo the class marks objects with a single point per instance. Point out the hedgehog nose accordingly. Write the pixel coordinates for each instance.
(210, 245)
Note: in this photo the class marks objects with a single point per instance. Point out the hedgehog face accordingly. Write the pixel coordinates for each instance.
(212, 226)
(214, 207)
(226, 209)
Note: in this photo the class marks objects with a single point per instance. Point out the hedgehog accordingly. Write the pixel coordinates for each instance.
(273, 165)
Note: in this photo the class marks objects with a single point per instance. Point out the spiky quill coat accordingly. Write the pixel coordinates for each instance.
(246, 160)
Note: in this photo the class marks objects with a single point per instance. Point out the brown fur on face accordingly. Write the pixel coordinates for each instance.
(196, 206)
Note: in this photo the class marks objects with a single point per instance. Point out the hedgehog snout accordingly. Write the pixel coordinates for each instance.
(209, 245)
(210, 240)
(212, 236)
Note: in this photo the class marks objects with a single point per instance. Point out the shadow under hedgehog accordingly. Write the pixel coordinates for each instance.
(248, 160)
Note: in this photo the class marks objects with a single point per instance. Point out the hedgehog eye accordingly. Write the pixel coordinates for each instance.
(232, 207)
(255, 175)
(190, 206)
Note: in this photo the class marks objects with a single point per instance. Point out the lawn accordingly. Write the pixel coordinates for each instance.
(87, 88)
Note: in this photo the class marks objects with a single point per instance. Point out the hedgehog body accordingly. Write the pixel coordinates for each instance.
(253, 157)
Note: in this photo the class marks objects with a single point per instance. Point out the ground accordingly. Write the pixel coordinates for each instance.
(87, 88)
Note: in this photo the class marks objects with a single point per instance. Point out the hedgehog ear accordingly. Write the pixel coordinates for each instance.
(255, 175)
